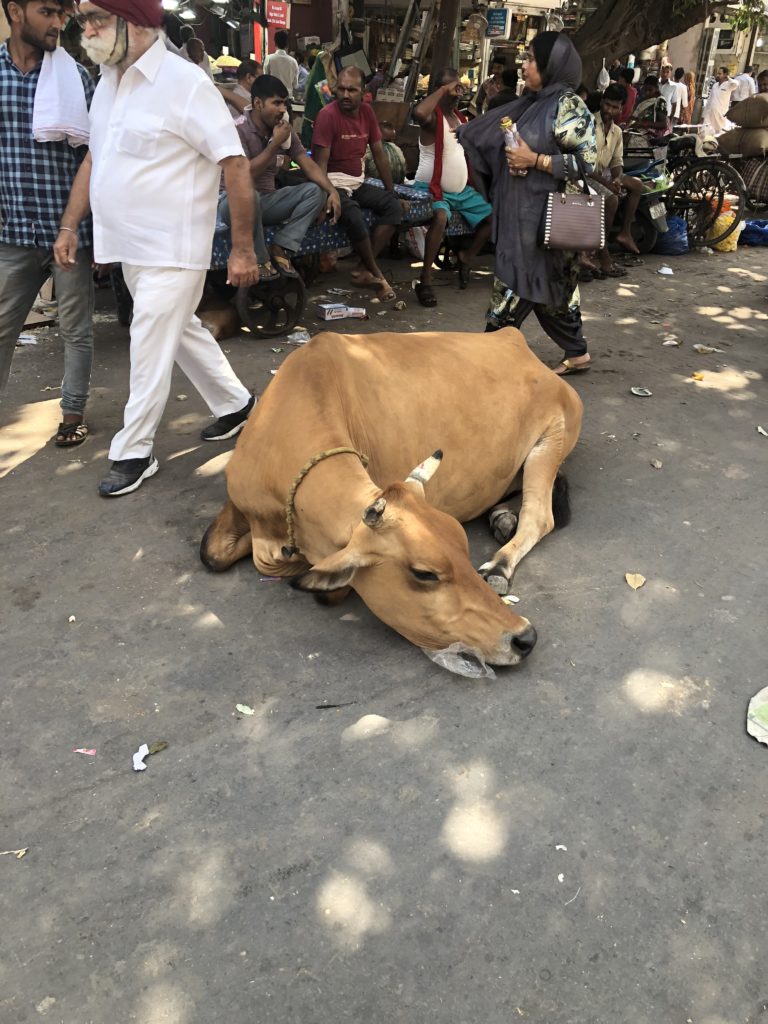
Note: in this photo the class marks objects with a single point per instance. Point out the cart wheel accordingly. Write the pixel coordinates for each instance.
(123, 300)
(273, 308)
(699, 194)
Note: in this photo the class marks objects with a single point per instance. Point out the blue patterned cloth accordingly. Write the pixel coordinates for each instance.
(330, 237)
(35, 177)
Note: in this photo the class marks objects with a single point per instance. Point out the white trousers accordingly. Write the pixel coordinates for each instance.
(165, 330)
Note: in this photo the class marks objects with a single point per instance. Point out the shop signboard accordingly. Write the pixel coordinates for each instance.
(498, 22)
(277, 14)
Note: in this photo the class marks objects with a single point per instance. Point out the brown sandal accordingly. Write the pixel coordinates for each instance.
(70, 435)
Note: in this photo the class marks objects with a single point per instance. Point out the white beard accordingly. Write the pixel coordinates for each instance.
(110, 50)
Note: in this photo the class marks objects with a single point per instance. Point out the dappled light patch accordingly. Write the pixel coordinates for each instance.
(474, 830)
(653, 691)
(752, 275)
(164, 1003)
(369, 857)
(33, 427)
(181, 453)
(366, 727)
(733, 382)
(344, 906)
(204, 892)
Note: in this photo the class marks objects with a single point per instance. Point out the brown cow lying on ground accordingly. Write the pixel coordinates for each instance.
(302, 509)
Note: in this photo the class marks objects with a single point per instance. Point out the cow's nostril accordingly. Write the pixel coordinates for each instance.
(525, 642)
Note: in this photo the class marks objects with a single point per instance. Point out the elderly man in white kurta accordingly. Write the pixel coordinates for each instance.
(160, 138)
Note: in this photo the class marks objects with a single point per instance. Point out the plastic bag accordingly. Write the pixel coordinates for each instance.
(414, 239)
(463, 660)
(603, 78)
(674, 241)
(755, 233)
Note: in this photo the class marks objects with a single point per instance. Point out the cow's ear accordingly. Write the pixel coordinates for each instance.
(333, 572)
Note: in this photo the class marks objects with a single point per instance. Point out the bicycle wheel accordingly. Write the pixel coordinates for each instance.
(699, 195)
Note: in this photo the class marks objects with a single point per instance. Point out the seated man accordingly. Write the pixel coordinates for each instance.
(343, 130)
(268, 141)
(609, 179)
(651, 115)
(442, 172)
(238, 96)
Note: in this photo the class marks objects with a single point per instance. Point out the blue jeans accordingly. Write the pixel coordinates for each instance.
(23, 272)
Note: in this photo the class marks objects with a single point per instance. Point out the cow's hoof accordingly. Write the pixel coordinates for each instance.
(498, 583)
(503, 524)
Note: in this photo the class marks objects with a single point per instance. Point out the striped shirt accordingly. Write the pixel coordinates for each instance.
(35, 177)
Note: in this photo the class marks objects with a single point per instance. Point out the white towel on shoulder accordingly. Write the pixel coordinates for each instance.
(60, 110)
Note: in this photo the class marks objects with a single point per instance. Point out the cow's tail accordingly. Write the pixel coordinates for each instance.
(561, 504)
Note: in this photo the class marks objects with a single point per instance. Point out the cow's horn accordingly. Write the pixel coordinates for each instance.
(373, 514)
(426, 469)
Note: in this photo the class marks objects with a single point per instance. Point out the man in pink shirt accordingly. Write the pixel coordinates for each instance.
(626, 77)
(343, 130)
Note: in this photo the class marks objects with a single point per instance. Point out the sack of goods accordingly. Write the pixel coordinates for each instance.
(728, 244)
(755, 175)
(744, 141)
(751, 113)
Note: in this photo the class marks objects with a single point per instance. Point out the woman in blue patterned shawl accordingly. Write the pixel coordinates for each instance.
(555, 126)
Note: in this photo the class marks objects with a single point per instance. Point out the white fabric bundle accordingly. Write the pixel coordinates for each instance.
(60, 110)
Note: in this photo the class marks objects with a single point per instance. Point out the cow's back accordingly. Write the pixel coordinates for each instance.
(484, 399)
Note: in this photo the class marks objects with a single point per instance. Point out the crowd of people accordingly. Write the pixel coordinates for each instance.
(146, 190)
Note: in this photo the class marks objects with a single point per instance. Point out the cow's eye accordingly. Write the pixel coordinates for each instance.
(425, 576)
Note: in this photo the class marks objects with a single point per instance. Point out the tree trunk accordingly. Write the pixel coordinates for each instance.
(445, 32)
(619, 27)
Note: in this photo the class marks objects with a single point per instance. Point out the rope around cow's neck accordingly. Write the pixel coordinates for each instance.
(290, 505)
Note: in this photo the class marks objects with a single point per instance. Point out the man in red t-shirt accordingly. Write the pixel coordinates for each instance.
(343, 130)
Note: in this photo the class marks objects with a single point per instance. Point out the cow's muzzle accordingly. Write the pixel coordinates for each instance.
(515, 646)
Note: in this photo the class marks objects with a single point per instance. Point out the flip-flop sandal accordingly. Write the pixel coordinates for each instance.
(425, 294)
(267, 273)
(571, 368)
(284, 266)
(615, 271)
(630, 260)
(70, 435)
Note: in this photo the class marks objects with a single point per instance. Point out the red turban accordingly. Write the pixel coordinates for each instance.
(147, 13)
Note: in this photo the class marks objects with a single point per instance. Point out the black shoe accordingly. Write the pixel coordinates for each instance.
(229, 425)
(127, 475)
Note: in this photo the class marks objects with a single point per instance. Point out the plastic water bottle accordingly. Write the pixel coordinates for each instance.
(511, 140)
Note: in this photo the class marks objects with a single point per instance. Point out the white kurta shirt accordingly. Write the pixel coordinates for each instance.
(716, 107)
(747, 87)
(157, 136)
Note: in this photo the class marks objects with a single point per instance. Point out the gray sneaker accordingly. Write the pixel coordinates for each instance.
(127, 475)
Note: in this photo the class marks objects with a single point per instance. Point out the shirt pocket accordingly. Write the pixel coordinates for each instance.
(140, 137)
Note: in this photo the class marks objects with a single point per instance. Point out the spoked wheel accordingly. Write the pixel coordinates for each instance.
(273, 308)
(699, 196)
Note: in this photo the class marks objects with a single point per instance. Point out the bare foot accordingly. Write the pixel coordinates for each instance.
(366, 279)
(626, 241)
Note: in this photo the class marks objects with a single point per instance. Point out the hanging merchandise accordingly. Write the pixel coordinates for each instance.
(603, 78)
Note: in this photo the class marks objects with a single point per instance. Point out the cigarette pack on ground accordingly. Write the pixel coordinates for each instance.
(338, 311)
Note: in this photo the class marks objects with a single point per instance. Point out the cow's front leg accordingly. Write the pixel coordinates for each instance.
(535, 520)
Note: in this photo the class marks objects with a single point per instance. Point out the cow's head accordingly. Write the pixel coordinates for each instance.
(410, 563)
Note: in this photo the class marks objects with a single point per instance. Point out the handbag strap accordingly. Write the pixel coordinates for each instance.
(582, 176)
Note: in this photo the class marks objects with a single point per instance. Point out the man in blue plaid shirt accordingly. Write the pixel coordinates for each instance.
(35, 180)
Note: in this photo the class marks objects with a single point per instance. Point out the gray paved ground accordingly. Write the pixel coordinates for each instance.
(296, 867)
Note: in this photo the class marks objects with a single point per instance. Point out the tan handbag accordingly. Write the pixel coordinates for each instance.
(574, 222)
